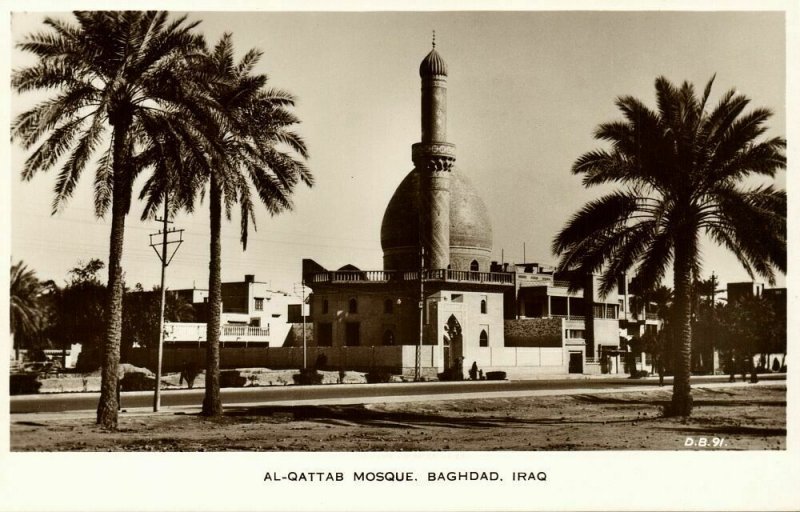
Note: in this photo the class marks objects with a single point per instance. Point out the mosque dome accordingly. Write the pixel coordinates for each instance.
(433, 65)
(470, 226)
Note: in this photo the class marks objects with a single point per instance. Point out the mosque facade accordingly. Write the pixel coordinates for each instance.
(438, 305)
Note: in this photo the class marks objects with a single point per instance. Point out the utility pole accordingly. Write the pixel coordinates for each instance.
(165, 261)
(418, 362)
(713, 308)
(303, 313)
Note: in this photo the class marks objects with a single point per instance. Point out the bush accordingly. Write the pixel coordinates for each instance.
(496, 375)
(88, 361)
(24, 384)
(307, 377)
(231, 379)
(137, 381)
(37, 355)
(378, 377)
(639, 374)
(776, 365)
(451, 374)
(189, 374)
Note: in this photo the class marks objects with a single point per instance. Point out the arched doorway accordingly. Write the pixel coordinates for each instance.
(453, 345)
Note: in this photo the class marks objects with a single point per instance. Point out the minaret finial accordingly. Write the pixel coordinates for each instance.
(434, 39)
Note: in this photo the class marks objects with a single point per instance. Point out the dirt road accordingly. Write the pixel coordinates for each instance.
(743, 418)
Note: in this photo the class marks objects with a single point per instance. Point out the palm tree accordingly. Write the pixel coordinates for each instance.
(27, 314)
(681, 169)
(118, 80)
(255, 153)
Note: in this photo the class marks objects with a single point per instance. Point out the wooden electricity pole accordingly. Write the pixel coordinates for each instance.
(165, 261)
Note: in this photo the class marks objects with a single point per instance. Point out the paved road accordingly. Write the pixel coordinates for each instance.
(232, 396)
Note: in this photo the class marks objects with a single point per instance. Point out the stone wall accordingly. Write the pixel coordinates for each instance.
(295, 336)
(395, 359)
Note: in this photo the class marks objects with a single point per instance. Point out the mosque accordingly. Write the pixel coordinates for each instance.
(439, 303)
(439, 306)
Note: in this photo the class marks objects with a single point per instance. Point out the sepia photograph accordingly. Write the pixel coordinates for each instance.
(445, 257)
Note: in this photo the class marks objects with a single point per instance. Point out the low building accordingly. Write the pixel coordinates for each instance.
(252, 315)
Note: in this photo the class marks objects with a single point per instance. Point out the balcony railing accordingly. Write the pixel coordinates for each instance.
(569, 317)
(180, 331)
(385, 276)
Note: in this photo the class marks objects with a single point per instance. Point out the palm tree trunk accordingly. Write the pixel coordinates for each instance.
(681, 390)
(212, 405)
(107, 408)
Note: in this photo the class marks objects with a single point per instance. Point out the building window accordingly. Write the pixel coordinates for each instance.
(352, 330)
(388, 306)
(576, 334)
(352, 306)
(388, 338)
(325, 334)
(484, 340)
(474, 266)
(259, 304)
(324, 306)
(483, 305)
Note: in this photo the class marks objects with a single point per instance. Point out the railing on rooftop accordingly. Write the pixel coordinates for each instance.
(184, 331)
(569, 317)
(385, 276)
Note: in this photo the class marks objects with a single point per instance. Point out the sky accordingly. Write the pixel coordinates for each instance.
(525, 92)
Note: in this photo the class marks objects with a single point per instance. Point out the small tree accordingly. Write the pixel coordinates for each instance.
(751, 326)
(80, 316)
(141, 316)
(28, 309)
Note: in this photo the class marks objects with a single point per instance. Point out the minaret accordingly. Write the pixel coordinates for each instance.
(433, 159)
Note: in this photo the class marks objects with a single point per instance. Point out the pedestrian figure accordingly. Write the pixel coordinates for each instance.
(473, 372)
(184, 374)
(459, 369)
(480, 375)
(661, 371)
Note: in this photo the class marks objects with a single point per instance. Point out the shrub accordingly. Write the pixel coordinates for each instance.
(378, 377)
(137, 381)
(231, 379)
(37, 355)
(776, 365)
(189, 374)
(497, 375)
(451, 374)
(639, 374)
(88, 361)
(307, 377)
(24, 384)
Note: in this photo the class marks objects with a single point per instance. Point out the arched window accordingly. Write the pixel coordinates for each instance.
(324, 306)
(484, 340)
(483, 306)
(388, 306)
(352, 306)
(474, 266)
(388, 338)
